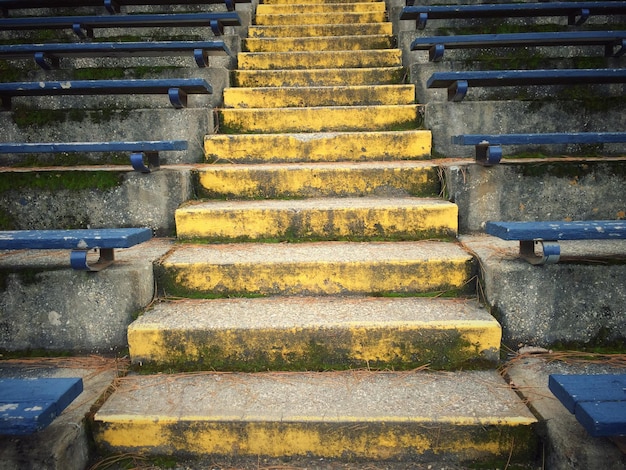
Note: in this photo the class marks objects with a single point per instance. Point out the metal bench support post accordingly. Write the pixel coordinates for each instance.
(178, 98)
(46, 61)
(488, 155)
(458, 90)
(78, 260)
(137, 161)
(551, 251)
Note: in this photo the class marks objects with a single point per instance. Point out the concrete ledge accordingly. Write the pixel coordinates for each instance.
(45, 305)
(534, 189)
(567, 444)
(104, 197)
(65, 444)
(566, 303)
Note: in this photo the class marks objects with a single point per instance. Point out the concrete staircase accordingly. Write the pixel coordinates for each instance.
(318, 304)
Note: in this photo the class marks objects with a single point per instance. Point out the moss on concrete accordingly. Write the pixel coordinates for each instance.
(54, 181)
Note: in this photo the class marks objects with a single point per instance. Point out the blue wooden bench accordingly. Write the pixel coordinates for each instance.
(112, 6)
(47, 55)
(458, 82)
(79, 241)
(489, 146)
(576, 12)
(30, 405)
(614, 42)
(139, 151)
(548, 235)
(597, 401)
(83, 26)
(177, 89)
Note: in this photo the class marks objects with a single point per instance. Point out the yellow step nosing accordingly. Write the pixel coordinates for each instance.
(315, 43)
(320, 18)
(360, 29)
(368, 7)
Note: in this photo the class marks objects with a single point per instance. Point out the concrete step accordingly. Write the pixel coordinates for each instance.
(319, 59)
(319, 77)
(312, 30)
(363, 218)
(315, 333)
(290, 2)
(318, 119)
(322, 268)
(288, 97)
(453, 417)
(321, 18)
(276, 181)
(294, 9)
(318, 147)
(319, 43)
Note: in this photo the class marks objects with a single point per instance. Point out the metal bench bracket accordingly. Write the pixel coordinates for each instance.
(178, 97)
(458, 90)
(583, 16)
(82, 33)
(137, 161)
(217, 27)
(201, 57)
(435, 53)
(78, 260)
(46, 61)
(488, 155)
(421, 20)
(550, 251)
(112, 6)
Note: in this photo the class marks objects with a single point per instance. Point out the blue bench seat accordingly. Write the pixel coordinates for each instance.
(79, 241)
(83, 26)
(576, 12)
(30, 405)
(489, 146)
(112, 6)
(597, 401)
(614, 42)
(458, 82)
(47, 55)
(177, 89)
(139, 151)
(548, 234)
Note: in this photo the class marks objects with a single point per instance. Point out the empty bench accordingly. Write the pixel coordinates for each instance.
(488, 147)
(112, 6)
(548, 234)
(83, 26)
(597, 401)
(458, 83)
(176, 89)
(79, 241)
(47, 55)
(614, 42)
(576, 12)
(30, 405)
(139, 151)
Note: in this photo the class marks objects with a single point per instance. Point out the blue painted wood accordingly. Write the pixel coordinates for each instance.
(554, 231)
(597, 401)
(613, 41)
(86, 24)
(79, 239)
(52, 52)
(29, 405)
(70, 147)
(548, 138)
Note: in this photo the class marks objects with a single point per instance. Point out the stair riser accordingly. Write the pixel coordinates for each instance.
(330, 437)
(320, 18)
(312, 78)
(302, 31)
(341, 43)
(367, 7)
(318, 119)
(367, 146)
(320, 60)
(280, 97)
(298, 2)
(242, 223)
(297, 182)
(321, 278)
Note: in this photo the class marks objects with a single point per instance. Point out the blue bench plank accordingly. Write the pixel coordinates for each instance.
(459, 82)
(80, 241)
(597, 401)
(83, 26)
(576, 12)
(176, 88)
(148, 150)
(548, 234)
(489, 146)
(47, 55)
(614, 42)
(29, 405)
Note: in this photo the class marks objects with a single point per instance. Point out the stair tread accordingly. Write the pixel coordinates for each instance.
(476, 397)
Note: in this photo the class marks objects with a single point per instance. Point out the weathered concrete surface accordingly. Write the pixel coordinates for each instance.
(45, 305)
(67, 201)
(567, 303)
(527, 190)
(65, 443)
(567, 445)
